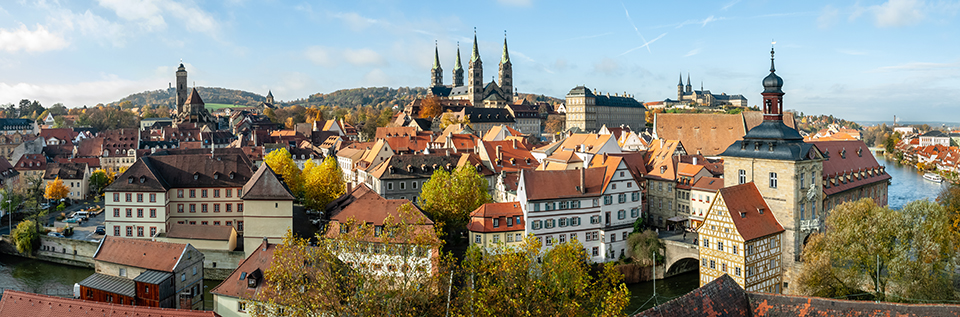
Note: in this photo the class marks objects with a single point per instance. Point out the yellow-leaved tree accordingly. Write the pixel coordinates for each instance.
(282, 163)
(322, 183)
(56, 190)
(450, 197)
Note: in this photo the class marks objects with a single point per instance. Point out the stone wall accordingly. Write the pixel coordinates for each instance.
(67, 251)
(217, 264)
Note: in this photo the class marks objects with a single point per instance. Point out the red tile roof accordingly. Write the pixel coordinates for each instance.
(17, 304)
(481, 219)
(185, 231)
(63, 134)
(563, 183)
(710, 184)
(152, 255)
(707, 134)
(31, 162)
(744, 203)
(844, 158)
(383, 132)
(234, 286)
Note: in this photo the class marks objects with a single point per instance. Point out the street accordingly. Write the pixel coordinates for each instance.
(83, 231)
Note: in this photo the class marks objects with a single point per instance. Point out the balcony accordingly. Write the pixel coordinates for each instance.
(809, 225)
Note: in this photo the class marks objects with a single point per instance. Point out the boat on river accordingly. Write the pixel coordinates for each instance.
(933, 177)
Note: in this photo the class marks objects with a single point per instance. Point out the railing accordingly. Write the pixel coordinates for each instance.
(810, 224)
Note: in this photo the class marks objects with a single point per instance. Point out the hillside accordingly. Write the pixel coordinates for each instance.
(377, 97)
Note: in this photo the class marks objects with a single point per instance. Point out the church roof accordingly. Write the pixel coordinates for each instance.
(773, 140)
(194, 98)
(506, 56)
(269, 93)
(580, 91)
(458, 65)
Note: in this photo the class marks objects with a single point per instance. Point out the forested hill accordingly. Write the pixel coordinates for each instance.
(168, 97)
(377, 97)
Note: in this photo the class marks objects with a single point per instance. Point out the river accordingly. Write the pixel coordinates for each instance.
(48, 278)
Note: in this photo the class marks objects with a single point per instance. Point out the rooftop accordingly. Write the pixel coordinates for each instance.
(22, 304)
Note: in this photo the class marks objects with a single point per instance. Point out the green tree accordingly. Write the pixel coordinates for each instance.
(642, 247)
(525, 280)
(99, 180)
(449, 198)
(25, 236)
(903, 255)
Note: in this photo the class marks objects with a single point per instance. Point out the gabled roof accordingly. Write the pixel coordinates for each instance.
(707, 134)
(228, 168)
(481, 219)
(708, 184)
(563, 184)
(235, 286)
(366, 206)
(185, 231)
(264, 185)
(65, 171)
(111, 284)
(383, 132)
(843, 158)
(194, 98)
(744, 204)
(152, 255)
(721, 297)
(22, 304)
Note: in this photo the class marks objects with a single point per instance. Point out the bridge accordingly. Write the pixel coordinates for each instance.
(681, 254)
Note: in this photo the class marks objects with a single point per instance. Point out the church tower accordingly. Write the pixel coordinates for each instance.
(772, 94)
(506, 73)
(689, 86)
(475, 79)
(181, 87)
(458, 70)
(269, 97)
(436, 73)
(680, 88)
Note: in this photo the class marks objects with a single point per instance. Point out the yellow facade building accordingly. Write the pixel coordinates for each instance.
(741, 237)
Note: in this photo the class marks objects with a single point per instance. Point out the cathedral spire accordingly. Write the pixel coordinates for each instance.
(436, 56)
(506, 57)
(476, 52)
(458, 65)
(688, 79)
(681, 80)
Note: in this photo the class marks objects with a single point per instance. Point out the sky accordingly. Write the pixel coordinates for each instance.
(858, 60)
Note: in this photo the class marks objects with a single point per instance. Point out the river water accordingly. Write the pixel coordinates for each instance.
(54, 279)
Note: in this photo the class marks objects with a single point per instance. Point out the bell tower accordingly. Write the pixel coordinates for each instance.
(475, 76)
(458, 70)
(506, 72)
(436, 73)
(181, 86)
(772, 94)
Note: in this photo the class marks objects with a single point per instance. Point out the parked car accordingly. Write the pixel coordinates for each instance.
(101, 229)
(82, 214)
(55, 234)
(74, 220)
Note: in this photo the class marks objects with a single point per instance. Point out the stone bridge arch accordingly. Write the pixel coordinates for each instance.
(680, 257)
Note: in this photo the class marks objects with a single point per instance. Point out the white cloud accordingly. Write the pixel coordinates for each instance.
(692, 52)
(355, 21)
(294, 83)
(38, 40)
(516, 3)
(895, 13)
(319, 55)
(363, 57)
(828, 17)
(607, 66)
(729, 5)
(145, 12)
(90, 25)
(77, 95)
(376, 77)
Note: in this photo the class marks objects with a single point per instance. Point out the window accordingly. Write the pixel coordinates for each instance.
(229, 207)
(635, 196)
(239, 225)
(116, 212)
(183, 277)
(713, 264)
(536, 224)
(575, 221)
(203, 193)
(129, 212)
(229, 223)
(193, 222)
(622, 198)
(734, 249)
(194, 270)
(801, 180)
(204, 223)
(635, 212)
(203, 207)
(139, 198)
(624, 236)
(153, 231)
(536, 207)
(179, 207)
(706, 242)
(123, 272)
(129, 231)
(239, 192)
(116, 231)
(750, 250)
(240, 207)
(802, 211)
(403, 185)
(193, 193)
(496, 222)
(743, 176)
(723, 266)
(519, 237)
(139, 231)
(496, 238)
(736, 271)
(549, 241)
(414, 184)
(607, 200)
(116, 197)
(229, 192)
(773, 180)
(720, 245)
(563, 222)
(563, 238)
(216, 193)
(216, 207)
(813, 211)
(139, 212)
(193, 207)
(478, 239)
(509, 237)
(595, 219)
(129, 197)
(179, 193)
(153, 198)
(509, 221)
(389, 186)
(621, 214)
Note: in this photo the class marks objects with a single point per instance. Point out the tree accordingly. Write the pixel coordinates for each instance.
(337, 276)
(449, 118)
(642, 247)
(554, 124)
(282, 163)
(524, 280)
(322, 183)
(25, 236)
(99, 180)
(449, 198)
(105, 118)
(903, 255)
(56, 190)
(430, 107)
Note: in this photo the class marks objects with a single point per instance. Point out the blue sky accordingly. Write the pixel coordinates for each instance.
(861, 60)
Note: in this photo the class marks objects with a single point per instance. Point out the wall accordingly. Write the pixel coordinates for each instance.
(266, 219)
(224, 261)
(67, 251)
(226, 306)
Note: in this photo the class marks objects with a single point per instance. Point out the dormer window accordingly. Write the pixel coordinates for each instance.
(232, 174)
(130, 180)
(196, 176)
(143, 179)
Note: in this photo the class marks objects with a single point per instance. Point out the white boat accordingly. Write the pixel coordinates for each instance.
(933, 177)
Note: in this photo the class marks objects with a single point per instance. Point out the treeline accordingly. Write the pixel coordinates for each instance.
(377, 97)
(168, 97)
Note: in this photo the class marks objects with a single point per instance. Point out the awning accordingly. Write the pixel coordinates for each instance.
(677, 219)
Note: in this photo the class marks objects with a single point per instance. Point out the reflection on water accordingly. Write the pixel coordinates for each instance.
(906, 184)
(40, 277)
(667, 289)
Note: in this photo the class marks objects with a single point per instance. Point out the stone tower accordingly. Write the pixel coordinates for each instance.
(786, 170)
(269, 97)
(680, 88)
(458, 70)
(475, 79)
(689, 86)
(506, 73)
(436, 73)
(182, 92)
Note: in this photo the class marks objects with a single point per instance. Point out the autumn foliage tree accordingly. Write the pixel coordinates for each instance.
(56, 190)
(524, 280)
(322, 183)
(450, 197)
(282, 163)
(642, 246)
(430, 107)
(100, 179)
(896, 255)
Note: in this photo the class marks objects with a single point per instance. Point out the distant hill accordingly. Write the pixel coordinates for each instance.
(168, 97)
(345, 98)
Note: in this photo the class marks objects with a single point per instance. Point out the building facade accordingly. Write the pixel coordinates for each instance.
(495, 224)
(589, 111)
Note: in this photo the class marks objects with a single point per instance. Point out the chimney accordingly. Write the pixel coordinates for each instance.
(499, 155)
(265, 243)
(694, 160)
(349, 187)
(583, 175)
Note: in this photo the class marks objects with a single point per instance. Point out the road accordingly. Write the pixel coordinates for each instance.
(83, 231)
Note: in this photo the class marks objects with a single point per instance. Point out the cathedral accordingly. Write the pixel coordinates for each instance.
(491, 95)
(190, 108)
(686, 94)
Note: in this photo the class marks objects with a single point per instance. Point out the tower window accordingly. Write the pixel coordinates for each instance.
(773, 180)
(743, 177)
